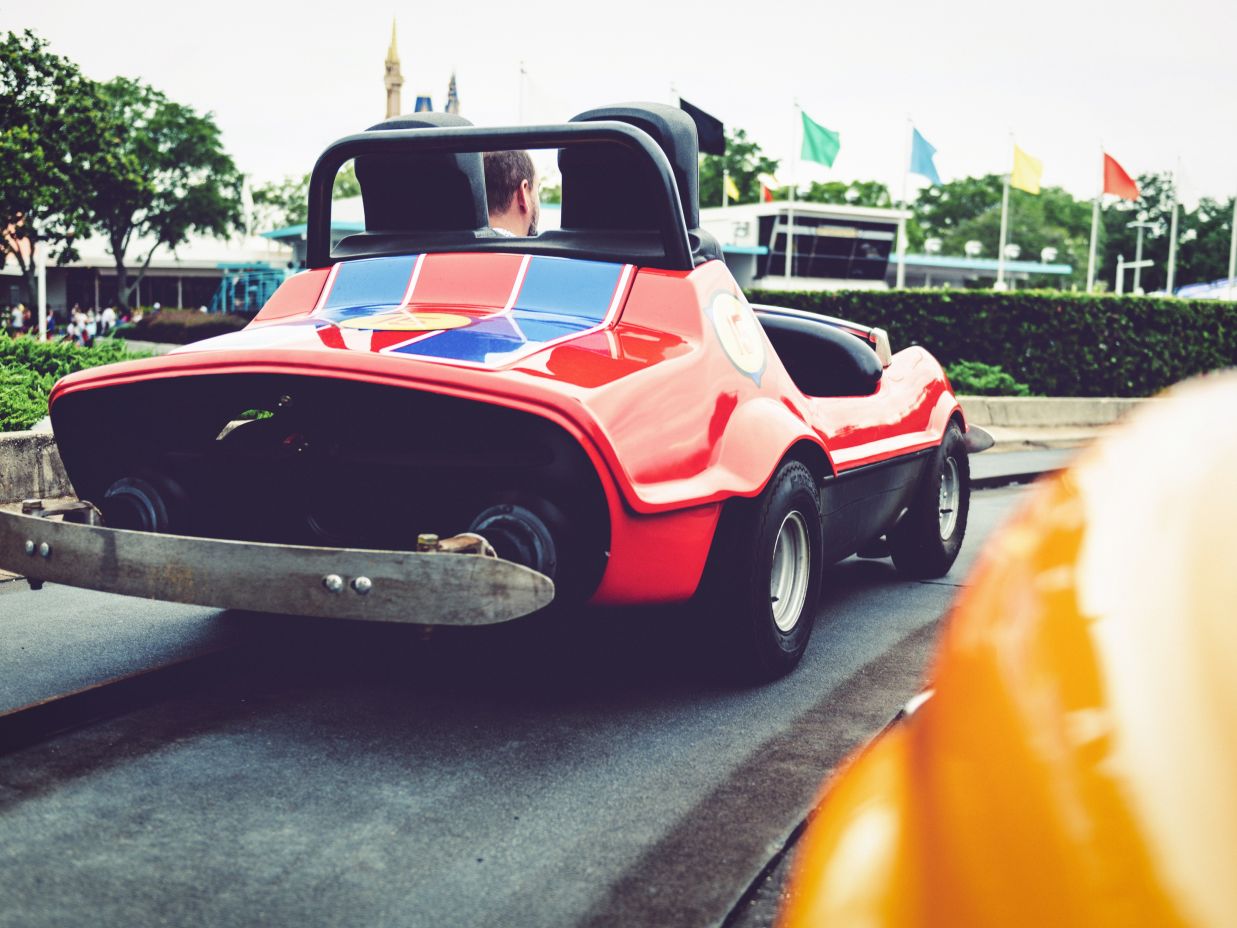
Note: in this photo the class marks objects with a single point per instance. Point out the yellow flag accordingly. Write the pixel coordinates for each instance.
(731, 188)
(1027, 171)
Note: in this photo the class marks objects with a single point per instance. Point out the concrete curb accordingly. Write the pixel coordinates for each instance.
(30, 466)
(1046, 411)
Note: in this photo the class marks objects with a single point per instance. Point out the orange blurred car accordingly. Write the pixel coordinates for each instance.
(1075, 760)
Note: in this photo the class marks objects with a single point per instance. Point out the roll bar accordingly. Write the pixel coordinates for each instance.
(671, 223)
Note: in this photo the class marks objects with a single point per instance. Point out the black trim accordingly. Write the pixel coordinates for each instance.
(859, 505)
(821, 359)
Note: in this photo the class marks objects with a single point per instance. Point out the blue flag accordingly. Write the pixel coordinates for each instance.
(921, 158)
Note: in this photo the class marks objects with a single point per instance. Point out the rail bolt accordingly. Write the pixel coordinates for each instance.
(362, 585)
(334, 583)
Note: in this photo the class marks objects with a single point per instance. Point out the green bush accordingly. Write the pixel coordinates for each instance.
(979, 379)
(23, 398)
(182, 326)
(1058, 344)
(30, 368)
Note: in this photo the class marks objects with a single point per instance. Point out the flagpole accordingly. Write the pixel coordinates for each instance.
(1172, 234)
(1095, 226)
(794, 183)
(900, 281)
(1232, 250)
(40, 273)
(520, 105)
(1000, 252)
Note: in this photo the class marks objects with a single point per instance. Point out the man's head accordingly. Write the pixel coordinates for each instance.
(511, 189)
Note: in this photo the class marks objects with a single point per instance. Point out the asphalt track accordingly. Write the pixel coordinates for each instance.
(337, 774)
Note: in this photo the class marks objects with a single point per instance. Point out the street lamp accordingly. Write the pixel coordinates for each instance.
(1123, 266)
(1012, 251)
(1138, 224)
(973, 248)
(932, 246)
(1047, 255)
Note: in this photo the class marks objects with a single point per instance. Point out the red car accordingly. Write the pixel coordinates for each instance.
(599, 404)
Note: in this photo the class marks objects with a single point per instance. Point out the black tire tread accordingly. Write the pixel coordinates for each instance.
(734, 590)
(915, 543)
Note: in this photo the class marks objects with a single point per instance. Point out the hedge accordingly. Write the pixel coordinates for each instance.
(1058, 344)
(181, 326)
(29, 368)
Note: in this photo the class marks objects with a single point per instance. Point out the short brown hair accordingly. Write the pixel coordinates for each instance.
(504, 171)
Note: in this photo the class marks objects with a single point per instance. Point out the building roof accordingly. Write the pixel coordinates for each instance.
(982, 265)
(298, 231)
(805, 208)
(197, 253)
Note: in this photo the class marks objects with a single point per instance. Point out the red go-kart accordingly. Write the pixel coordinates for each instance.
(435, 424)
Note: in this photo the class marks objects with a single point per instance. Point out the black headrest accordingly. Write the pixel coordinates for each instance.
(605, 186)
(438, 191)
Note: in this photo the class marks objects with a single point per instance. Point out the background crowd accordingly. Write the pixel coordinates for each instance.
(75, 325)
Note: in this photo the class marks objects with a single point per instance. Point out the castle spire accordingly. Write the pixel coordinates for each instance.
(394, 79)
(393, 52)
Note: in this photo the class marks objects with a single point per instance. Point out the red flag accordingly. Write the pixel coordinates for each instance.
(766, 195)
(1116, 181)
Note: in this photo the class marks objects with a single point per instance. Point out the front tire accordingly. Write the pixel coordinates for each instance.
(763, 581)
(926, 541)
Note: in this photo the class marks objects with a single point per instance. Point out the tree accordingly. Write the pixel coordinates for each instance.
(50, 119)
(552, 193)
(743, 161)
(942, 208)
(165, 176)
(1154, 206)
(286, 202)
(969, 209)
(856, 193)
(280, 203)
(1206, 232)
(1202, 236)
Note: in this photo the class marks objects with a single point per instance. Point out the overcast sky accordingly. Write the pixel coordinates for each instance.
(1154, 81)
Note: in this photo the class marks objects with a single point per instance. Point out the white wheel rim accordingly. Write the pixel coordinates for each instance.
(788, 581)
(949, 499)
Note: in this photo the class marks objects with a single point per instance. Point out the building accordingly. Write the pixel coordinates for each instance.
(191, 276)
(957, 271)
(834, 246)
(842, 247)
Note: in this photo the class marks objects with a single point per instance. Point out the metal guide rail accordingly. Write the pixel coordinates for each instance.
(62, 543)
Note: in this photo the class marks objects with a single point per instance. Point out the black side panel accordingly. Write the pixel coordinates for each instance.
(860, 505)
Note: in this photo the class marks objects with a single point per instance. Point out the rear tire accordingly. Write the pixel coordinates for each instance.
(926, 541)
(762, 583)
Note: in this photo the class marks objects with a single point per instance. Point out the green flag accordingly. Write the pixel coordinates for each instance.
(819, 144)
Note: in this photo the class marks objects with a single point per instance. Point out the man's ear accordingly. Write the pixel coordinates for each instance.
(526, 196)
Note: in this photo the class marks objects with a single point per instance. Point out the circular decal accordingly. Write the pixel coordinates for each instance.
(739, 331)
(401, 321)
